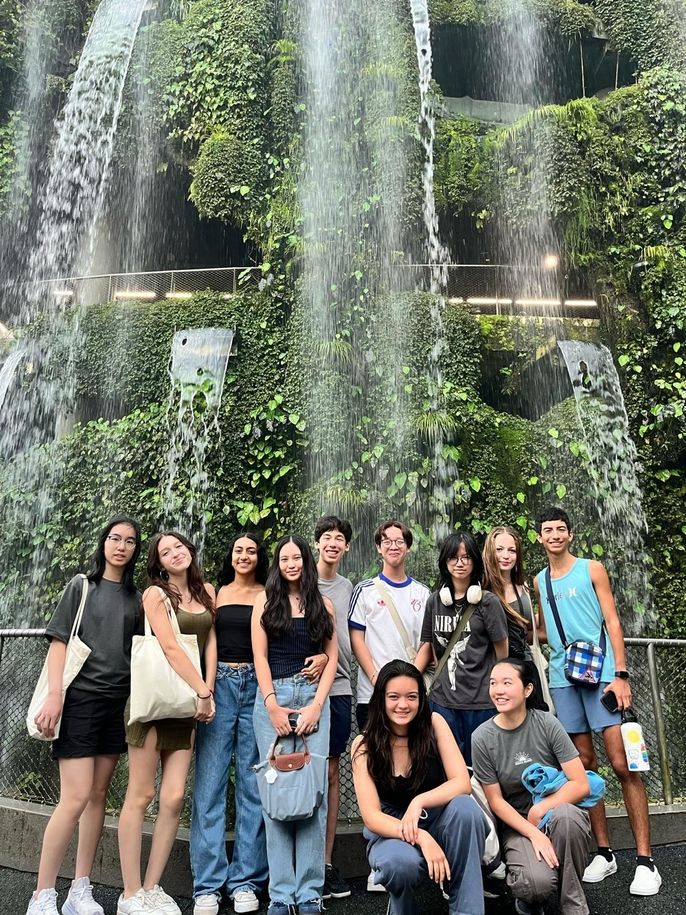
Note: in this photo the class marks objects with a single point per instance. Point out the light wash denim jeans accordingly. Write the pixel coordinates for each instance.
(230, 733)
(296, 849)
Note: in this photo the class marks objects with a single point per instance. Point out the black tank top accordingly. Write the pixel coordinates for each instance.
(234, 645)
(400, 792)
(287, 655)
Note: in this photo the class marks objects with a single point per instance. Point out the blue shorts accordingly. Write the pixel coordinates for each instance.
(580, 710)
(341, 709)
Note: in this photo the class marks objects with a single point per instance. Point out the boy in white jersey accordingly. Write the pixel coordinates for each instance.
(586, 606)
(386, 613)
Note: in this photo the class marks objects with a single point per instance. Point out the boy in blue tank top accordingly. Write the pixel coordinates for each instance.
(586, 606)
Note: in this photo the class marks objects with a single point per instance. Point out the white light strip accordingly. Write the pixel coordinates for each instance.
(179, 295)
(581, 303)
(135, 294)
(548, 303)
(63, 293)
(477, 300)
(456, 300)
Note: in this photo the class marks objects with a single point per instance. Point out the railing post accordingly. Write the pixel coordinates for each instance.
(660, 731)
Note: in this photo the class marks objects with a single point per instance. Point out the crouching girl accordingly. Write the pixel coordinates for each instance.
(540, 863)
(413, 790)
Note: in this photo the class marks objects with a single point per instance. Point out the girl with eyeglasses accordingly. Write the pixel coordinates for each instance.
(91, 716)
(460, 692)
(175, 585)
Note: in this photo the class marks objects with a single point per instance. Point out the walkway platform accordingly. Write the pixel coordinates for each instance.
(608, 898)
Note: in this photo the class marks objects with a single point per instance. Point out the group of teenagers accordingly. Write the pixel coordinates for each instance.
(277, 641)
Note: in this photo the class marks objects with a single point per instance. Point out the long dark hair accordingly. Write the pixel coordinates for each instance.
(376, 743)
(227, 573)
(493, 576)
(157, 577)
(277, 619)
(449, 548)
(99, 556)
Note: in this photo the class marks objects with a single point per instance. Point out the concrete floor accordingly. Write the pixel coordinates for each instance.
(608, 898)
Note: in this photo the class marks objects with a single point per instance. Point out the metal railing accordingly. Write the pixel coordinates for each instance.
(483, 288)
(658, 668)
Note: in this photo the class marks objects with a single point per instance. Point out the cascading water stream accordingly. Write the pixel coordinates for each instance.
(438, 257)
(7, 373)
(613, 471)
(197, 372)
(72, 203)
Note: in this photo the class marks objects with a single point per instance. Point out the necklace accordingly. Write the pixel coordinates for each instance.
(299, 609)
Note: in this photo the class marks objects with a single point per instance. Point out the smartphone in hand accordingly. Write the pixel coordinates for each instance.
(293, 721)
(609, 700)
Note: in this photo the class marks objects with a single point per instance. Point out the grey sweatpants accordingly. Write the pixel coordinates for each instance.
(460, 830)
(534, 881)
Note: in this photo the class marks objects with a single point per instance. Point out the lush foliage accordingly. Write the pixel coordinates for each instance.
(568, 16)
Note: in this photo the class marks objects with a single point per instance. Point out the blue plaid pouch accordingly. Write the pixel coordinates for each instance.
(583, 663)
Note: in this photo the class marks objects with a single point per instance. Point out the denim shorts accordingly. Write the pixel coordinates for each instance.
(341, 723)
(92, 725)
(580, 710)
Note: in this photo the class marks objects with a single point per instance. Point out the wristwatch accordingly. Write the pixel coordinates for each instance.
(622, 674)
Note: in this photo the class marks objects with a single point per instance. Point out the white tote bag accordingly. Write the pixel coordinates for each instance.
(157, 691)
(77, 653)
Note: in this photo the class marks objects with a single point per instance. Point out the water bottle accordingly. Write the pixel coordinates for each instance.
(634, 744)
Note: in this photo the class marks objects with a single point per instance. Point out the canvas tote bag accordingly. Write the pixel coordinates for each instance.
(157, 691)
(77, 653)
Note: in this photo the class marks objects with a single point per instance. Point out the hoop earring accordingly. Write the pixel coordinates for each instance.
(164, 575)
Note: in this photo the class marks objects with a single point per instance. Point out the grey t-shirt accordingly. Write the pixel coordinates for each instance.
(500, 756)
(110, 619)
(339, 591)
(463, 682)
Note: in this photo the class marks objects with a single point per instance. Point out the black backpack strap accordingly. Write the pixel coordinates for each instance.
(553, 607)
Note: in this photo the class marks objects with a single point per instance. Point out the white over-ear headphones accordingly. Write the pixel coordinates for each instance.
(474, 595)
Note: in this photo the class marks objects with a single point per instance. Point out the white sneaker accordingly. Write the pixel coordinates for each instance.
(161, 902)
(43, 903)
(206, 905)
(80, 899)
(372, 886)
(134, 905)
(646, 882)
(245, 901)
(599, 869)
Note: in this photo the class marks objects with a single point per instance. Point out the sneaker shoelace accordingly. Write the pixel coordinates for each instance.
(47, 904)
(84, 893)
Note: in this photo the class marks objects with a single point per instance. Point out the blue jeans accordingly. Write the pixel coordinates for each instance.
(460, 830)
(295, 850)
(463, 722)
(230, 733)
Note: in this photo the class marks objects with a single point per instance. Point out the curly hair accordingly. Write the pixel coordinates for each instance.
(227, 573)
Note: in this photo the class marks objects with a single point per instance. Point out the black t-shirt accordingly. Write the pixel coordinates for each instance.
(463, 682)
(111, 618)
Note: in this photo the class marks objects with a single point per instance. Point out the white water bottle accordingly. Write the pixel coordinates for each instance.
(634, 744)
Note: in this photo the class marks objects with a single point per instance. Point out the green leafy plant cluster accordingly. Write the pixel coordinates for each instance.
(568, 16)
(648, 31)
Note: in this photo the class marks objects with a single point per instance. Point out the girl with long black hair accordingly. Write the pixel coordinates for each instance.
(413, 790)
(460, 692)
(292, 622)
(91, 736)
(176, 586)
(242, 578)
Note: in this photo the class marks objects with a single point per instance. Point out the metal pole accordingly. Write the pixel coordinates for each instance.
(660, 731)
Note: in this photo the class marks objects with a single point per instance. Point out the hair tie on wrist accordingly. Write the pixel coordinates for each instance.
(204, 697)
(264, 701)
(321, 707)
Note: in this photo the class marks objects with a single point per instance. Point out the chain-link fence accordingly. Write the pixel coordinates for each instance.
(658, 680)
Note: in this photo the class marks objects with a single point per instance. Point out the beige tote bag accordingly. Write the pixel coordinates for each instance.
(77, 653)
(157, 691)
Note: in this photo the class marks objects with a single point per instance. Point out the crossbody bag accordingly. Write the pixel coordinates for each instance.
(584, 660)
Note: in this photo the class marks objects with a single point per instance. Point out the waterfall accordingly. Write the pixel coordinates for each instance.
(197, 372)
(73, 198)
(352, 194)
(613, 470)
(437, 258)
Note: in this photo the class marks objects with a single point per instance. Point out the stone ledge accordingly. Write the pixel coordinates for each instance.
(22, 825)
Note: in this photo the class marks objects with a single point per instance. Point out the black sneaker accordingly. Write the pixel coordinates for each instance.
(335, 886)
